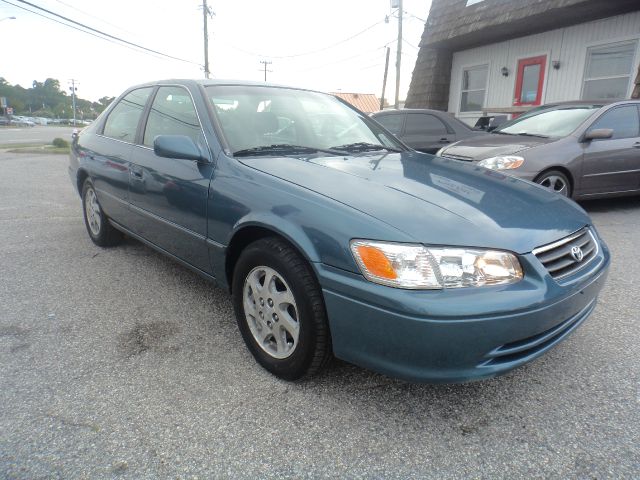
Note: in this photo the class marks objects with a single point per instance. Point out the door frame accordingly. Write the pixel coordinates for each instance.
(520, 64)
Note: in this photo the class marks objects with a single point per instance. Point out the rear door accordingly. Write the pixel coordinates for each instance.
(167, 195)
(109, 153)
(613, 164)
(426, 132)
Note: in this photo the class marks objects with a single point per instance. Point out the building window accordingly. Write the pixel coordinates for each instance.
(474, 84)
(608, 71)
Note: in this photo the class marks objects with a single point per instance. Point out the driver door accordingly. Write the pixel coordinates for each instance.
(613, 164)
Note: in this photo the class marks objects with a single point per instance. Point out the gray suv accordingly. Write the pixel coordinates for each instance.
(578, 149)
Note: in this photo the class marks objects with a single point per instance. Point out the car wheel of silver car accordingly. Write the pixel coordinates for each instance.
(555, 181)
(280, 310)
(100, 230)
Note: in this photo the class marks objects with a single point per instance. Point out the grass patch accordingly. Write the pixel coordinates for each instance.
(20, 145)
(50, 149)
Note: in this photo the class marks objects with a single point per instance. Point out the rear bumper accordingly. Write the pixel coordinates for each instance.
(459, 334)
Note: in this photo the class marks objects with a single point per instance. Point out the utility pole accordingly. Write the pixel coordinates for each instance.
(265, 63)
(73, 89)
(384, 80)
(206, 13)
(398, 55)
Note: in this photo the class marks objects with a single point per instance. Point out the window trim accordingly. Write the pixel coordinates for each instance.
(403, 120)
(447, 128)
(100, 131)
(147, 110)
(634, 61)
(615, 107)
(486, 87)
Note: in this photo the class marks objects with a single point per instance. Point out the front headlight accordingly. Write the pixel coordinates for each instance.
(506, 162)
(414, 266)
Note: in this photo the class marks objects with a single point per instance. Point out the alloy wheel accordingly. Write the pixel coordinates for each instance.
(271, 312)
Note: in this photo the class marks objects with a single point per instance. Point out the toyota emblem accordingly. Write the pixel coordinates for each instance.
(576, 253)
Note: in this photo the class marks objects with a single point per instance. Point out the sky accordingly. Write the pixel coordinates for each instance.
(308, 43)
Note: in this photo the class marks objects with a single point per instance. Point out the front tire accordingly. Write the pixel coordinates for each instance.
(280, 310)
(99, 229)
(555, 181)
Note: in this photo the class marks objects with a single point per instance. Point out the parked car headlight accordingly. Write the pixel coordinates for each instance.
(506, 162)
(414, 266)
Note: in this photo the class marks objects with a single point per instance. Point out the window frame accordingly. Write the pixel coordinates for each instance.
(147, 112)
(447, 128)
(478, 66)
(587, 62)
(142, 119)
(403, 120)
(616, 107)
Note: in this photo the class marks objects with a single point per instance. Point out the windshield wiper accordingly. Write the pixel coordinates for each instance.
(525, 134)
(283, 149)
(364, 147)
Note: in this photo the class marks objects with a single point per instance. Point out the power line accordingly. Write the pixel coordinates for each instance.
(118, 39)
(93, 16)
(76, 28)
(312, 52)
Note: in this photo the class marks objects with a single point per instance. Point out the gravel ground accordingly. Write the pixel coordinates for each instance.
(119, 363)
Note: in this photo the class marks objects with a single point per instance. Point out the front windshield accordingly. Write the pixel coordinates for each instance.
(256, 117)
(554, 122)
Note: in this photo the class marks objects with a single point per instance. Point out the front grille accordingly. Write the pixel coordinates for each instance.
(562, 258)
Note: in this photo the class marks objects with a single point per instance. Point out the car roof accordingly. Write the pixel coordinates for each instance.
(589, 102)
(206, 82)
(410, 110)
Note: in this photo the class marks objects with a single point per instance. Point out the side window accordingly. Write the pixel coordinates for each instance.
(421, 123)
(172, 113)
(122, 122)
(393, 123)
(622, 120)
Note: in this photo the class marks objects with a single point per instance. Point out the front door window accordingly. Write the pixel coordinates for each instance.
(529, 81)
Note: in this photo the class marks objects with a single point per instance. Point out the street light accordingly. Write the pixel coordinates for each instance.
(7, 18)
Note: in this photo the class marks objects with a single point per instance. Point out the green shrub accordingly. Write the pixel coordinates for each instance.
(60, 142)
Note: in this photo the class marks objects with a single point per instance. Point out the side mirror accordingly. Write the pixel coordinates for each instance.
(177, 146)
(598, 134)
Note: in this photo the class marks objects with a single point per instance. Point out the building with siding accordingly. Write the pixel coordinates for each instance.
(506, 56)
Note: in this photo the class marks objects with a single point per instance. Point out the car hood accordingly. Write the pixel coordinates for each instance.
(436, 200)
(492, 145)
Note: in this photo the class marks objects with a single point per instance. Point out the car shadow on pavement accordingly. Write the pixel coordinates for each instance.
(611, 204)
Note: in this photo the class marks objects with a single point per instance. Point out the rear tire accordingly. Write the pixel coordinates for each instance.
(556, 181)
(280, 310)
(99, 229)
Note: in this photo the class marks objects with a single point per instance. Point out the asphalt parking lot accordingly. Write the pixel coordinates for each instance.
(120, 363)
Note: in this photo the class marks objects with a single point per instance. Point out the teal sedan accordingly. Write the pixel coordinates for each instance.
(333, 237)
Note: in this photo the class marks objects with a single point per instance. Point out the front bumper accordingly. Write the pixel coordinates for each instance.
(456, 335)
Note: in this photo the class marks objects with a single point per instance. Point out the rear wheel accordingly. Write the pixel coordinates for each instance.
(280, 310)
(555, 181)
(100, 230)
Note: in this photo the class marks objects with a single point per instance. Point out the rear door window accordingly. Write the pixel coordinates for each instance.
(122, 122)
(622, 120)
(393, 123)
(423, 123)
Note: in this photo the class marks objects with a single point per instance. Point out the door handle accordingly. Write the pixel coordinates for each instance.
(636, 145)
(136, 172)
(444, 140)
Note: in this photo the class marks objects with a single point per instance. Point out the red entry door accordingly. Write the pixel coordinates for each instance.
(530, 80)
